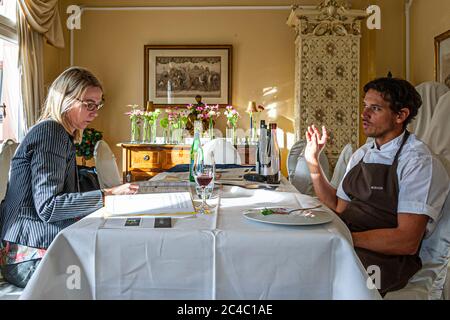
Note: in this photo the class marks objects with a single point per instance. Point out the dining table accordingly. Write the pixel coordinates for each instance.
(234, 252)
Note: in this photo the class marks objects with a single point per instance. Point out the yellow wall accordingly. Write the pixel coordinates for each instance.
(429, 19)
(111, 45)
(390, 40)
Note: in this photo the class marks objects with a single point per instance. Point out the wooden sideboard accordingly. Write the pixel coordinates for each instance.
(143, 161)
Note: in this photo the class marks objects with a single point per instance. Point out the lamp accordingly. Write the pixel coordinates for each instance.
(251, 107)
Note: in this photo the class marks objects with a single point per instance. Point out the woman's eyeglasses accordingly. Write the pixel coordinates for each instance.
(91, 106)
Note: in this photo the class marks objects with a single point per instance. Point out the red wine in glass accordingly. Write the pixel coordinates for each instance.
(204, 179)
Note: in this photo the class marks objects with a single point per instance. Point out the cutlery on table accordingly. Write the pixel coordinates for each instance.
(248, 186)
(302, 209)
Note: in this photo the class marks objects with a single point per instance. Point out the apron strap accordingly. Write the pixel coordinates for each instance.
(405, 137)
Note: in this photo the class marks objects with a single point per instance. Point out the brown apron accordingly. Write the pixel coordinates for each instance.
(373, 190)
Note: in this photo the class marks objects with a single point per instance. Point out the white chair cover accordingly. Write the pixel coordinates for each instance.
(7, 151)
(437, 136)
(301, 179)
(341, 165)
(428, 282)
(105, 163)
(294, 153)
(224, 152)
(430, 93)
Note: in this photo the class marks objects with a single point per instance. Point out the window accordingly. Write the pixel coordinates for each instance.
(10, 101)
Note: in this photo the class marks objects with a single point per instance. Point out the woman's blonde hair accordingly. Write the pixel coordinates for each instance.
(64, 92)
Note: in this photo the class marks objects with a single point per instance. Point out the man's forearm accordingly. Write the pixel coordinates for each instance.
(324, 190)
(386, 241)
(403, 240)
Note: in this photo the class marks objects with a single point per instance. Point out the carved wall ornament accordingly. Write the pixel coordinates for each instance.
(331, 17)
(331, 49)
(320, 70)
(319, 115)
(340, 71)
(330, 93)
(340, 117)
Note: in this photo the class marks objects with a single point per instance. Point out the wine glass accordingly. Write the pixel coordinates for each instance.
(203, 174)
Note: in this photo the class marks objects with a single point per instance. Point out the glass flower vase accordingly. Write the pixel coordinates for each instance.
(175, 133)
(211, 129)
(135, 130)
(153, 132)
(168, 135)
(254, 131)
(146, 131)
(231, 135)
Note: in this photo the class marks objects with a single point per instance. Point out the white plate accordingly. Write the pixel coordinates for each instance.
(294, 219)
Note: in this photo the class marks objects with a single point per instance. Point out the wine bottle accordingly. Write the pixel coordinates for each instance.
(261, 146)
(272, 172)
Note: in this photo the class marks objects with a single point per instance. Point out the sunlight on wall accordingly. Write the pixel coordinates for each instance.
(269, 91)
(272, 110)
(290, 140)
(280, 138)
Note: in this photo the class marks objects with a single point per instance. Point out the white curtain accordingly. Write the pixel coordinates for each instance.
(36, 20)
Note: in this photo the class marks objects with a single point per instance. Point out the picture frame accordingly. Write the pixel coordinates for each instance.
(175, 74)
(442, 58)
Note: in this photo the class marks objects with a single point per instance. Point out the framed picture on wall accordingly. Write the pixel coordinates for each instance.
(175, 74)
(442, 58)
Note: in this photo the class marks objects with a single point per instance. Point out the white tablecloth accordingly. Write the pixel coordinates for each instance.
(218, 256)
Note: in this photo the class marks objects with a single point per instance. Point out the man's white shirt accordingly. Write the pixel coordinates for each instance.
(423, 180)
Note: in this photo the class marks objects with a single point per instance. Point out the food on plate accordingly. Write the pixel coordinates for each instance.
(269, 211)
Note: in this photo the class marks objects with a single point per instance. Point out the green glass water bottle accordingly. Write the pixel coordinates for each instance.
(196, 148)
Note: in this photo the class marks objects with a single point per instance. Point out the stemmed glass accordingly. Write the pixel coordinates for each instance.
(203, 174)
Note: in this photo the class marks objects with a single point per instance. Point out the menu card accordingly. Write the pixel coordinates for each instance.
(174, 203)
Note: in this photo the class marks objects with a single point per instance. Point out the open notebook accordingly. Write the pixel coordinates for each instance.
(151, 204)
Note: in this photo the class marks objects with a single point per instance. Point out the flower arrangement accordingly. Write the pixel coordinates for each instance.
(151, 116)
(232, 116)
(199, 111)
(174, 119)
(149, 129)
(213, 111)
(85, 148)
(254, 112)
(135, 116)
(183, 118)
(135, 113)
(213, 114)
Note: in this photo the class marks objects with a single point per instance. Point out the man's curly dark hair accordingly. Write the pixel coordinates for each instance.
(399, 93)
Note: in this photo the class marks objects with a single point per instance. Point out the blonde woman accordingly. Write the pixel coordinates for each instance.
(43, 195)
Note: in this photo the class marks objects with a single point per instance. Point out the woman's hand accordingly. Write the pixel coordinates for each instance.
(315, 143)
(127, 188)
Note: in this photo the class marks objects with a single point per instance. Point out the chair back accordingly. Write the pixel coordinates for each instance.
(107, 169)
(430, 93)
(428, 282)
(294, 153)
(224, 152)
(301, 179)
(341, 165)
(7, 151)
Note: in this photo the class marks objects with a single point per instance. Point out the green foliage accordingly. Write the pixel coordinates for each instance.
(266, 212)
(164, 122)
(85, 149)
